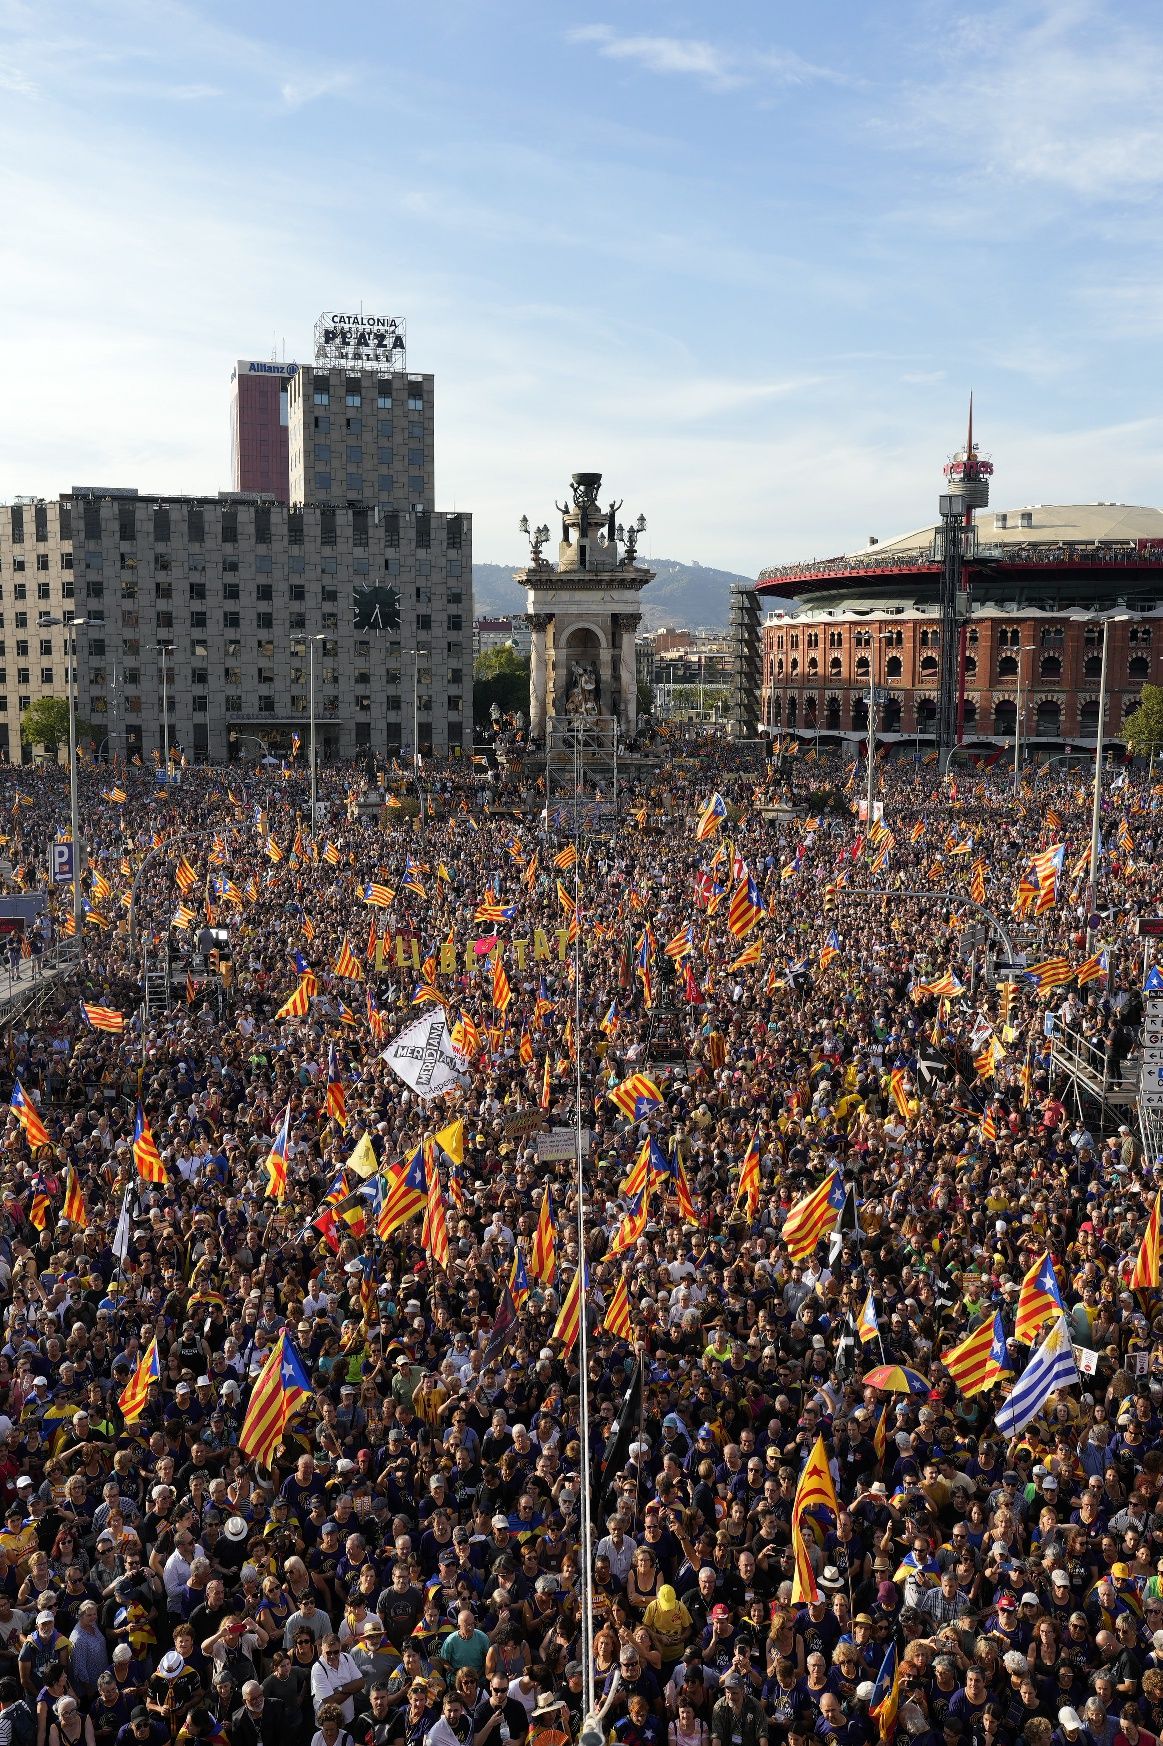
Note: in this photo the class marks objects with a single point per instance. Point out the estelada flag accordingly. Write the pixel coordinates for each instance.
(1039, 1299)
(282, 1385)
(980, 1359)
(145, 1153)
(813, 1217)
(28, 1116)
(136, 1391)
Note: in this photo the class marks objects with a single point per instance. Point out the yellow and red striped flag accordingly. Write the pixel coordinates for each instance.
(1146, 1274)
(297, 1005)
(407, 1192)
(617, 1320)
(280, 1389)
(145, 1153)
(103, 1018)
(74, 1208)
(568, 1322)
(543, 1260)
(347, 964)
(813, 1217)
(276, 1160)
(434, 1235)
(803, 1590)
(502, 993)
(28, 1116)
(136, 1391)
(979, 1360)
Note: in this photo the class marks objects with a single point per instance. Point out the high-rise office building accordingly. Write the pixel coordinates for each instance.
(230, 595)
(259, 433)
(359, 436)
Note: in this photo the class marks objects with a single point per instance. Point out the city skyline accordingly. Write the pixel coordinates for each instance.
(750, 267)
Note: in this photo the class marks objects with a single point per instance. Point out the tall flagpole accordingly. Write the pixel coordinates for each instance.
(585, 1522)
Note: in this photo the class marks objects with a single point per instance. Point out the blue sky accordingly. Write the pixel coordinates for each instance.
(748, 259)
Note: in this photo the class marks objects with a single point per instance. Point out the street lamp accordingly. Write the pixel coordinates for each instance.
(416, 654)
(1096, 807)
(47, 621)
(165, 650)
(311, 641)
(1022, 649)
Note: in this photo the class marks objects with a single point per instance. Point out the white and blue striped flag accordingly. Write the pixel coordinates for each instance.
(1051, 1367)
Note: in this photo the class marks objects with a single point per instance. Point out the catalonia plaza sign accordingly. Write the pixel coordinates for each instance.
(377, 340)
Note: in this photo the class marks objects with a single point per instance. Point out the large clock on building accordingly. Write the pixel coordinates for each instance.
(377, 608)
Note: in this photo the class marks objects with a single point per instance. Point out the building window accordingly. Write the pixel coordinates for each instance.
(1047, 725)
(1051, 667)
(929, 665)
(862, 666)
(892, 667)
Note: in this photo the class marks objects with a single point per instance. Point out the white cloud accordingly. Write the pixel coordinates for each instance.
(719, 68)
(1067, 94)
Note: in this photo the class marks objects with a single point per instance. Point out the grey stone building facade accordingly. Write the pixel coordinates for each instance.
(362, 436)
(228, 595)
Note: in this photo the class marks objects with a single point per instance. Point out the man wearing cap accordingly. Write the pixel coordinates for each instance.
(737, 1718)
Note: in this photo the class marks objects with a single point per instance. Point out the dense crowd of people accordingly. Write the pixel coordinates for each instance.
(407, 1565)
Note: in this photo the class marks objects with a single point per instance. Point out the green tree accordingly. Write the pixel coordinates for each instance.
(500, 676)
(46, 723)
(1143, 729)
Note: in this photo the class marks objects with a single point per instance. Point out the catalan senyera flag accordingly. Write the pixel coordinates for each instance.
(185, 876)
(146, 1156)
(749, 955)
(566, 858)
(279, 1390)
(276, 1160)
(502, 992)
(981, 1359)
(330, 855)
(543, 1259)
(867, 1325)
(28, 1116)
(298, 1004)
(568, 1322)
(74, 1208)
(336, 1105)
(379, 896)
(546, 1083)
(748, 1187)
(434, 1236)
(617, 1320)
(1146, 1273)
(103, 1018)
(710, 818)
(977, 881)
(636, 1096)
(406, 1192)
(136, 1391)
(39, 1205)
(803, 1589)
(347, 964)
(632, 1225)
(1038, 1300)
(898, 1093)
(813, 1217)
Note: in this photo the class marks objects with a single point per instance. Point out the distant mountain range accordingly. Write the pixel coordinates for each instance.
(681, 594)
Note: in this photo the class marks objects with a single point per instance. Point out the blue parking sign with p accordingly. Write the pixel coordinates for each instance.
(62, 863)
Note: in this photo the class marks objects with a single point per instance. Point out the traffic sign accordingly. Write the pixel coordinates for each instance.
(61, 861)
